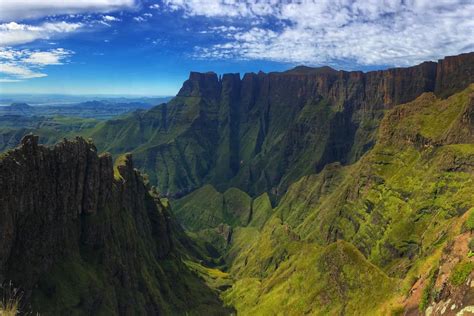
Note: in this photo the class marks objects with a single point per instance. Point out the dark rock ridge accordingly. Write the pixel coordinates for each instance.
(263, 131)
(77, 238)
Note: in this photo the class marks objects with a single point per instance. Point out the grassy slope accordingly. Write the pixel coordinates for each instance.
(207, 208)
(168, 138)
(396, 209)
(317, 280)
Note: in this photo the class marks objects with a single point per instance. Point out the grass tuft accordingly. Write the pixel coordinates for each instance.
(11, 298)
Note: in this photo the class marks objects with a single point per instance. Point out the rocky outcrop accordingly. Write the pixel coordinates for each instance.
(78, 238)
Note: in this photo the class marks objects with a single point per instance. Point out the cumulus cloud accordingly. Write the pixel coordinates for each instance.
(154, 6)
(15, 10)
(16, 65)
(14, 33)
(364, 32)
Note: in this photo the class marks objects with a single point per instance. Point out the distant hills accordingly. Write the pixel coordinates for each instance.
(103, 109)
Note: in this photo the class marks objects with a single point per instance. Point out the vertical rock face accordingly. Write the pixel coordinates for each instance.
(77, 238)
(201, 84)
(44, 194)
(454, 73)
(264, 131)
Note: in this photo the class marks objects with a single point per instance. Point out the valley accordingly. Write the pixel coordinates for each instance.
(311, 191)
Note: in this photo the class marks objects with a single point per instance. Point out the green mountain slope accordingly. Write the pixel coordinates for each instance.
(366, 238)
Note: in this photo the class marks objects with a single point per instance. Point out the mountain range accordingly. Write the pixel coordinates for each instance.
(262, 132)
(310, 191)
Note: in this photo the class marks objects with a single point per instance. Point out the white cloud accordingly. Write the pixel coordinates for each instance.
(139, 19)
(364, 32)
(109, 18)
(19, 71)
(225, 29)
(17, 65)
(14, 33)
(219, 8)
(15, 10)
(154, 6)
(143, 18)
(52, 57)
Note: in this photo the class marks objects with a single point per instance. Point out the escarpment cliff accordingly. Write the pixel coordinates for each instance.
(82, 236)
(388, 235)
(263, 131)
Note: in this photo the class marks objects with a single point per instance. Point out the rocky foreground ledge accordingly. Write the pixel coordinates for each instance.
(77, 238)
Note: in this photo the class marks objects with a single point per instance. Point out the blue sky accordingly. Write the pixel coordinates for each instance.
(148, 47)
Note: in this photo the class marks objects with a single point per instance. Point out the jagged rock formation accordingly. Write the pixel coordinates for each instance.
(264, 131)
(79, 235)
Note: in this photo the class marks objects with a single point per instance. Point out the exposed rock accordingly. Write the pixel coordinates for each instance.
(69, 228)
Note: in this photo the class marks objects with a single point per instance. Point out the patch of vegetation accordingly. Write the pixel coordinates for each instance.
(214, 278)
(426, 295)
(470, 222)
(119, 161)
(460, 272)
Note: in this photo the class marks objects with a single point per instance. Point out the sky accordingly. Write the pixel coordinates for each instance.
(141, 47)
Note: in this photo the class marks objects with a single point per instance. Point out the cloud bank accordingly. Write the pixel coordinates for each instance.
(361, 32)
(14, 33)
(17, 10)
